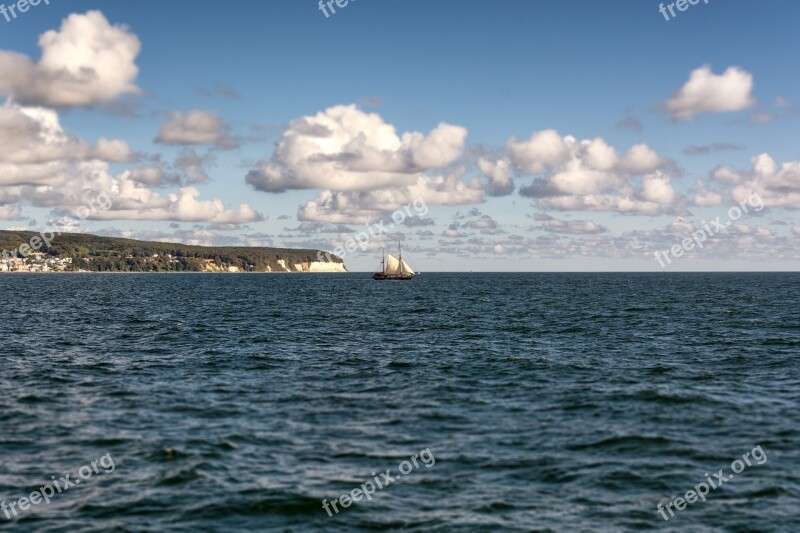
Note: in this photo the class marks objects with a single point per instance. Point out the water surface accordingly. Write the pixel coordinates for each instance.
(551, 402)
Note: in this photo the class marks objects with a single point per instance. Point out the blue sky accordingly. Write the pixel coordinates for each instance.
(465, 85)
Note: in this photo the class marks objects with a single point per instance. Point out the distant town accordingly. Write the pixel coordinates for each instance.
(37, 262)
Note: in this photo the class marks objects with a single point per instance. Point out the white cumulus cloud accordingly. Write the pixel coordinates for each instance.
(196, 127)
(706, 92)
(776, 186)
(589, 175)
(85, 63)
(364, 207)
(346, 149)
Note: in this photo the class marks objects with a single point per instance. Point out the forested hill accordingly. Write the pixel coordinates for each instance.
(110, 254)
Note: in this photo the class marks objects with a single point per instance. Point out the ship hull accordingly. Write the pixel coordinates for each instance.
(380, 276)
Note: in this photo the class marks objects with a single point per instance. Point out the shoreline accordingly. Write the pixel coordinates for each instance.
(172, 273)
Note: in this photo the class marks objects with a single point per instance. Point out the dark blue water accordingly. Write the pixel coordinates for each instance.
(549, 402)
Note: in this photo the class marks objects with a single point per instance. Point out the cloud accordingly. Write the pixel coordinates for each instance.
(640, 159)
(131, 200)
(706, 92)
(712, 148)
(579, 239)
(366, 170)
(47, 167)
(680, 226)
(499, 173)
(125, 106)
(485, 225)
(783, 108)
(258, 239)
(183, 207)
(38, 152)
(153, 175)
(199, 236)
(784, 103)
(345, 149)
(33, 136)
(10, 212)
(195, 166)
(474, 212)
(341, 208)
(371, 101)
(113, 150)
(775, 186)
(318, 227)
(219, 89)
(416, 222)
(196, 127)
(705, 197)
(86, 63)
(589, 175)
(485, 222)
(572, 227)
(544, 151)
(365, 207)
(630, 123)
(452, 233)
(757, 231)
(762, 118)
(189, 168)
(657, 188)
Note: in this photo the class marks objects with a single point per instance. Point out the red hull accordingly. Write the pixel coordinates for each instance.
(380, 276)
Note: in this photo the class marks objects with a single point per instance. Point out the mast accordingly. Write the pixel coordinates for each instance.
(383, 260)
(400, 254)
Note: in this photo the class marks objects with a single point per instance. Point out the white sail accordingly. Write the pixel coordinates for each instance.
(407, 269)
(392, 264)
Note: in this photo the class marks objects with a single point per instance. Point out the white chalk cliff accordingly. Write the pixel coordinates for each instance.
(320, 266)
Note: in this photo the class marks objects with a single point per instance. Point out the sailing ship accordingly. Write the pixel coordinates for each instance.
(394, 268)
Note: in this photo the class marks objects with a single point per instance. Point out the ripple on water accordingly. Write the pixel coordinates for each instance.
(551, 402)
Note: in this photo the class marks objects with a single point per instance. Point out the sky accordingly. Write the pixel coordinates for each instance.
(488, 136)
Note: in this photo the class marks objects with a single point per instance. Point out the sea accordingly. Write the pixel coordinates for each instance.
(453, 402)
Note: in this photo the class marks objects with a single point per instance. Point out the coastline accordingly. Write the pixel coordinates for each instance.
(79, 252)
(16, 272)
